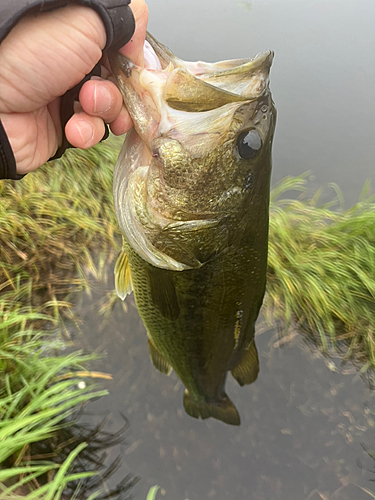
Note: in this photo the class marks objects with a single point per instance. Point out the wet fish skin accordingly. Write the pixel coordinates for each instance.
(194, 214)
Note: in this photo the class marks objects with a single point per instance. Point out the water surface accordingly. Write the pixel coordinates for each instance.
(303, 421)
(322, 79)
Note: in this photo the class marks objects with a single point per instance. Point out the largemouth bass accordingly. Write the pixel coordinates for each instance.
(191, 194)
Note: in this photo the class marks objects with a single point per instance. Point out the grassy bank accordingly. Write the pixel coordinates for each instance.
(45, 452)
(321, 274)
(321, 258)
(51, 223)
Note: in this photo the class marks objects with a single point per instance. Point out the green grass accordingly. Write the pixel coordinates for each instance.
(38, 392)
(52, 223)
(321, 268)
(57, 228)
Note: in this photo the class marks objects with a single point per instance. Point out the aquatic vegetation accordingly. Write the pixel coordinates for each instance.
(52, 223)
(321, 268)
(29, 474)
(38, 392)
(152, 493)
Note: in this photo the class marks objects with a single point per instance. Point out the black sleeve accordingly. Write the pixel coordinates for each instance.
(119, 24)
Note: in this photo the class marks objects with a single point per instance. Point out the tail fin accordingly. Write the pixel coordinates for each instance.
(222, 409)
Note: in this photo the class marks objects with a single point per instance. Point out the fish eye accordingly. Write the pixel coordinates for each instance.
(248, 144)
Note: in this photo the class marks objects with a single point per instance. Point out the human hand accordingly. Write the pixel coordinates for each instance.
(43, 57)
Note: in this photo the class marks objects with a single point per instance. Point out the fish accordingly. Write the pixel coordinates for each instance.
(191, 195)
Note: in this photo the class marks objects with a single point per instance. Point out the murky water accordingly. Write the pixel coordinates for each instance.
(303, 422)
(304, 419)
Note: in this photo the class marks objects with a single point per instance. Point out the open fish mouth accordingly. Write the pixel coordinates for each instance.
(167, 84)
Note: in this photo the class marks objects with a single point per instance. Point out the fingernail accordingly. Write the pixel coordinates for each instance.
(85, 131)
(102, 99)
(77, 108)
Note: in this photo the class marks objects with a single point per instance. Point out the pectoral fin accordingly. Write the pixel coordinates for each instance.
(158, 360)
(163, 293)
(123, 279)
(246, 371)
(223, 409)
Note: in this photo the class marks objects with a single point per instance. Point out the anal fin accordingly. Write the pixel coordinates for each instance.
(222, 409)
(158, 360)
(247, 370)
(123, 279)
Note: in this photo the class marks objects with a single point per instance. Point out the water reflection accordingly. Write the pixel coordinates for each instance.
(101, 456)
(194, 215)
(96, 457)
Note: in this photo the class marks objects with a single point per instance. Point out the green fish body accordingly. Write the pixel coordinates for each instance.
(191, 193)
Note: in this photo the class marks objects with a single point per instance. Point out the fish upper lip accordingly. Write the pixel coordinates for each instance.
(261, 60)
(154, 90)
